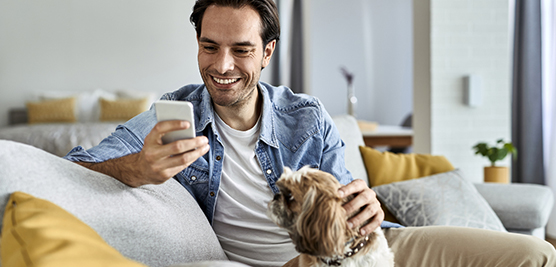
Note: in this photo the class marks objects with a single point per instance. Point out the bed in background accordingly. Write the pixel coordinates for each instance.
(59, 121)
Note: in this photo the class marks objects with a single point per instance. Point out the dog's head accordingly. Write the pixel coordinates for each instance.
(310, 209)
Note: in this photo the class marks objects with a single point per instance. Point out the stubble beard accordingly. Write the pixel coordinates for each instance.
(232, 99)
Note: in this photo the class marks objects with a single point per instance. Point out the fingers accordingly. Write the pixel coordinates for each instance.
(357, 186)
(376, 215)
(164, 127)
(182, 146)
(161, 162)
(187, 153)
(367, 205)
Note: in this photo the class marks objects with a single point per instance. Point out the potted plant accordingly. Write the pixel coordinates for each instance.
(493, 173)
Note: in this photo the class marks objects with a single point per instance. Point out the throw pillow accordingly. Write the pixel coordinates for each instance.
(87, 104)
(121, 109)
(442, 199)
(37, 232)
(387, 167)
(58, 110)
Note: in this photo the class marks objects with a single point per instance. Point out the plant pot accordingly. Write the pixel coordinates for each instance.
(495, 174)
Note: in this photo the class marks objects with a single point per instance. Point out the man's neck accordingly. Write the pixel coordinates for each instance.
(241, 117)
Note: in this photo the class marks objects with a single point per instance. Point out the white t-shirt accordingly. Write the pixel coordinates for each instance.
(244, 230)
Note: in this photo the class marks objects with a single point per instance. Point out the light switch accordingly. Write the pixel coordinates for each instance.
(473, 95)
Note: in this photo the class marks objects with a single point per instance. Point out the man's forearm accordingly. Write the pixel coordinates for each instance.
(124, 169)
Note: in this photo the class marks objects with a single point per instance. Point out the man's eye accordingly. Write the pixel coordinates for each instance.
(242, 51)
(209, 48)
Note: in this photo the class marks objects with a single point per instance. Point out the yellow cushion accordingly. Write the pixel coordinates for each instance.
(121, 109)
(386, 167)
(37, 232)
(58, 110)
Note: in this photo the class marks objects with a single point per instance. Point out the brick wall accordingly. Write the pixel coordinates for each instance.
(466, 37)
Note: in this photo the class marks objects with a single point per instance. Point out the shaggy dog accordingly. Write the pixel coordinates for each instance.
(310, 209)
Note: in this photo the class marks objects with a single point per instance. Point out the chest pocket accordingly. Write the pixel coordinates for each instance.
(193, 176)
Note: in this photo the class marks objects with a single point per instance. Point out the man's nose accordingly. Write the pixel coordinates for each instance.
(224, 62)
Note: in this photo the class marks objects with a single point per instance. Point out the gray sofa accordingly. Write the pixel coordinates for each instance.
(161, 225)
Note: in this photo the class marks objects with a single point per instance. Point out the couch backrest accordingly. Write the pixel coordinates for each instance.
(352, 137)
(158, 225)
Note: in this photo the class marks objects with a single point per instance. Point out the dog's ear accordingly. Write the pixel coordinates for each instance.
(321, 225)
(287, 171)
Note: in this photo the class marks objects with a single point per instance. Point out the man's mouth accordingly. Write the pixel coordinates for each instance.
(224, 81)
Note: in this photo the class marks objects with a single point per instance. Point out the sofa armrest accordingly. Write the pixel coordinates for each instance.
(519, 206)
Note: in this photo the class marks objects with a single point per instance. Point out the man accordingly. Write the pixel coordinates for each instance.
(247, 131)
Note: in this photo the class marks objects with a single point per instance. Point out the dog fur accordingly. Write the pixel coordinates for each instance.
(310, 209)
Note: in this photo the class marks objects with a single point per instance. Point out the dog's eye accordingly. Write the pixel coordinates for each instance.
(289, 198)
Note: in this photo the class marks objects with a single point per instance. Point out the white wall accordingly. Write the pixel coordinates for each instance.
(83, 45)
(466, 37)
(373, 39)
(150, 46)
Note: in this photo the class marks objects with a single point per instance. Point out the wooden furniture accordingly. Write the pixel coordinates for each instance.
(392, 136)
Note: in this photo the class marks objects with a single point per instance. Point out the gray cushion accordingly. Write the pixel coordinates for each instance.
(441, 199)
(158, 225)
(352, 137)
(519, 206)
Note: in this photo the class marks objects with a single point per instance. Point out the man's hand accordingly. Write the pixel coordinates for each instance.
(366, 202)
(161, 162)
(156, 163)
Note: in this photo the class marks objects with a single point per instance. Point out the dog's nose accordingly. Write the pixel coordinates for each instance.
(277, 196)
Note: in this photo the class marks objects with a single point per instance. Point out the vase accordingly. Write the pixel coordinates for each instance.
(495, 174)
(352, 101)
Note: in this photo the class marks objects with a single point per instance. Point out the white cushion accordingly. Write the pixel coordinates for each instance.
(352, 137)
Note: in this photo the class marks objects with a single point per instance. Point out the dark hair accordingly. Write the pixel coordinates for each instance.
(266, 8)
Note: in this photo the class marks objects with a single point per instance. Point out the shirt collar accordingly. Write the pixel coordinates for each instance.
(267, 133)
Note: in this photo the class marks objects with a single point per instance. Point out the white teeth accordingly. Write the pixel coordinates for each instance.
(224, 81)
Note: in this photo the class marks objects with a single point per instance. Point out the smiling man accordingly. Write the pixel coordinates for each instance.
(247, 132)
(231, 57)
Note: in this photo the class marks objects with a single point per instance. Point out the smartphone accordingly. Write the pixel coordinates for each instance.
(175, 110)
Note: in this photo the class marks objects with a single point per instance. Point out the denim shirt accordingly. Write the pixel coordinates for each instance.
(295, 131)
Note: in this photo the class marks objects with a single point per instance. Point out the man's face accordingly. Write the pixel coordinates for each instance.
(231, 54)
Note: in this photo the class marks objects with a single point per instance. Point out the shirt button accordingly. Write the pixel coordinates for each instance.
(211, 194)
(193, 178)
(218, 158)
(269, 171)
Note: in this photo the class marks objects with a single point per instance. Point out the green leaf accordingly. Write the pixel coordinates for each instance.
(496, 152)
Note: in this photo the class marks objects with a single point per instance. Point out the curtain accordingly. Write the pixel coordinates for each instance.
(549, 99)
(288, 68)
(527, 130)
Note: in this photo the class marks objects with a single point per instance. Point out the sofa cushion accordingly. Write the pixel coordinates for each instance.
(157, 225)
(37, 231)
(388, 167)
(441, 199)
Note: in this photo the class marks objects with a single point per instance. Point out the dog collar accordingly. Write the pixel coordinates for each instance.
(337, 260)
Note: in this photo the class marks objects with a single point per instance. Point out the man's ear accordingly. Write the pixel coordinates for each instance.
(267, 53)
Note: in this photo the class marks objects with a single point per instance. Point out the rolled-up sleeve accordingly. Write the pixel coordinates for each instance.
(333, 158)
(128, 138)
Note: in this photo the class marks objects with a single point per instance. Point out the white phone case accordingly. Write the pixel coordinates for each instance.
(175, 110)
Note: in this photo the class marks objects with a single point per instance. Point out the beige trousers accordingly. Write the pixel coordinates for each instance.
(433, 246)
(446, 246)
